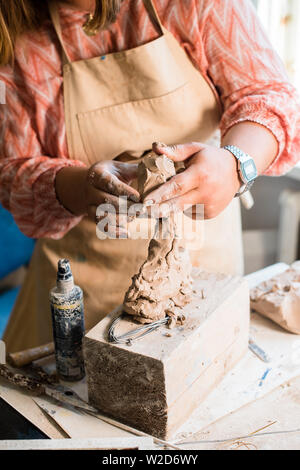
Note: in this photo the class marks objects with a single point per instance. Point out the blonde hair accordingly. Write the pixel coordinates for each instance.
(105, 13)
(18, 16)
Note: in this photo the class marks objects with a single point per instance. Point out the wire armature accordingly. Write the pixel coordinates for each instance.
(133, 335)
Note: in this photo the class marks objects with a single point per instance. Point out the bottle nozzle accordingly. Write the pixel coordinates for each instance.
(64, 272)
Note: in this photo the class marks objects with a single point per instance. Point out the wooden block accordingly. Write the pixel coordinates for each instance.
(156, 383)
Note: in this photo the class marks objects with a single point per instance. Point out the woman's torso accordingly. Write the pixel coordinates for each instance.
(39, 71)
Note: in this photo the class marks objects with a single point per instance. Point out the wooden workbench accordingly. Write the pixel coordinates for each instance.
(269, 403)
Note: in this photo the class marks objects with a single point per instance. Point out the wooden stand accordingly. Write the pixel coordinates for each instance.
(155, 384)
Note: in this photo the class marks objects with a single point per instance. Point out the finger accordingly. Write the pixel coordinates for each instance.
(178, 153)
(111, 184)
(113, 220)
(91, 213)
(176, 186)
(113, 224)
(180, 204)
(190, 205)
(96, 197)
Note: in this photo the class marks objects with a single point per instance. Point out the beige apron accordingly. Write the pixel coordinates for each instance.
(122, 102)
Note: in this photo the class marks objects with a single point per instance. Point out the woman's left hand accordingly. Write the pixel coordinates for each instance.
(210, 179)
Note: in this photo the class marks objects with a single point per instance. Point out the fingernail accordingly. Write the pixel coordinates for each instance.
(134, 198)
(160, 144)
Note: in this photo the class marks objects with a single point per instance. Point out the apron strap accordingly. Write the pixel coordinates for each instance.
(154, 16)
(53, 10)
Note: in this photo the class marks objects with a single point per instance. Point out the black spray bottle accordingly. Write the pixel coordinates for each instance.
(66, 301)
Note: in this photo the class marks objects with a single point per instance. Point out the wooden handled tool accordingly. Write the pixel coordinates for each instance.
(17, 378)
(23, 358)
(37, 387)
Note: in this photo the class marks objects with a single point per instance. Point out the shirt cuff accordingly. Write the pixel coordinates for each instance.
(264, 117)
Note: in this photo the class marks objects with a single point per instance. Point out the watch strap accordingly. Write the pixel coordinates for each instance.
(242, 158)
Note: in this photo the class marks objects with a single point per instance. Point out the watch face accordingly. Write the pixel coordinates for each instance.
(249, 171)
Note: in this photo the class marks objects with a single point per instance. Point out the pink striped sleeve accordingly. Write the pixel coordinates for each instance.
(250, 77)
(27, 176)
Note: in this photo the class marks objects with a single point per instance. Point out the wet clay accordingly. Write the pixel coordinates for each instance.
(163, 285)
(279, 299)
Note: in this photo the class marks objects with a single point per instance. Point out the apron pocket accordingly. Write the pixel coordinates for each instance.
(133, 126)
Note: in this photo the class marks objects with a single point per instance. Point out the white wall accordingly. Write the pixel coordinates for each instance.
(261, 223)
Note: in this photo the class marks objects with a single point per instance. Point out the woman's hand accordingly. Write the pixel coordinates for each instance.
(210, 178)
(82, 190)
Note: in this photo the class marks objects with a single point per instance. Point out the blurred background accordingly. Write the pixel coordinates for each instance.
(271, 228)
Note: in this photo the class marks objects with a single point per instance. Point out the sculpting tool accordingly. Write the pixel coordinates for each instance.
(133, 335)
(58, 392)
(23, 358)
(259, 352)
(264, 377)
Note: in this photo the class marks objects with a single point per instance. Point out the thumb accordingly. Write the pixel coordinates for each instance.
(127, 171)
(178, 153)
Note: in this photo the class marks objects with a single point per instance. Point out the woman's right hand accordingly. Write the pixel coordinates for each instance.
(82, 190)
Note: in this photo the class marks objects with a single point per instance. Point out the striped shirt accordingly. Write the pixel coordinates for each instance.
(223, 39)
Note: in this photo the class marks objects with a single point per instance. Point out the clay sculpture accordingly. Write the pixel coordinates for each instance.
(163, 284)
(279, 299)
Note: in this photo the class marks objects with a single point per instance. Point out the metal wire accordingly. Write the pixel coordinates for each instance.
(133, 335)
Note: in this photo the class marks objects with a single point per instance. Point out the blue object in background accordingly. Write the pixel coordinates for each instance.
(7, 300)
(15, 251)
(15, 248)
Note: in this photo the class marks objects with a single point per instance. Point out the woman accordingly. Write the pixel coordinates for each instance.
(94, 83)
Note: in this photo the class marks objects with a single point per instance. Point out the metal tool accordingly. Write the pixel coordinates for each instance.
(135, 334)
(68, 396)
(58, 392)
(259, 352)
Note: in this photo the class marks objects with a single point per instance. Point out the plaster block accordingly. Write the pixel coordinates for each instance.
(155, 384)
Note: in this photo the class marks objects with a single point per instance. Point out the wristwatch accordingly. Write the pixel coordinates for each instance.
(246, 168)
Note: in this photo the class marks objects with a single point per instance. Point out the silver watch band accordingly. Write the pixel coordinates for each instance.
(246, 168)
(244, 188)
